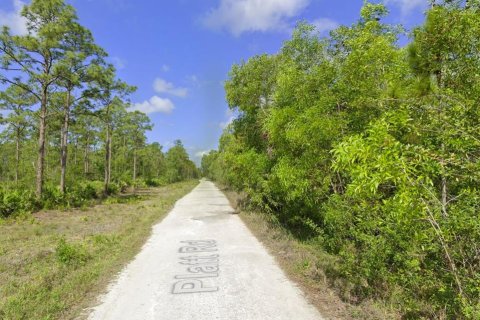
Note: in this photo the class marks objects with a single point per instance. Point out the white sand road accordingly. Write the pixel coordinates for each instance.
(202, 262)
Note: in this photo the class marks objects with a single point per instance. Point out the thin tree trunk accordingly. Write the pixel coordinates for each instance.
(444, 186)
(85, 158)
(110, 157)
(444, 197)
(134, 166)
(75, 152)
(64, 143)
(17, 155)
(41, 144)
(444, 191)
(107, 160)
(124, 163)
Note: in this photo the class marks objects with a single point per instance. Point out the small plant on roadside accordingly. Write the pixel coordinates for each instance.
(71, 254)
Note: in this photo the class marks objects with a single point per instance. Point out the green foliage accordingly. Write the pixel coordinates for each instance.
(156, 182)
(371, 150)
(15, 202)
(71, 254)
(59, 273)
(178, 165)
(53, 198)
(69, 120)
(113, 188)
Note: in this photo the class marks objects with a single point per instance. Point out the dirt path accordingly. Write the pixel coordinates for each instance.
(203, 263)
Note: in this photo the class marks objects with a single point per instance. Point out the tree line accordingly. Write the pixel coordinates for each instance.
(66, 119)
(370, 150)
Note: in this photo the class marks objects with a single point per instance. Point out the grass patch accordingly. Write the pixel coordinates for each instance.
(54, 264)
(308, 265)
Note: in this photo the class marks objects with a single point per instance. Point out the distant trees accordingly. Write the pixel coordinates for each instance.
(372, 150)
(136, 123)
(178, 165)
(59, 89)
(17, 102)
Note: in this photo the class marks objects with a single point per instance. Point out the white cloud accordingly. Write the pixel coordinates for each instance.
(163, 86)
(239, 16)
(192, 78)
(225, 124)
(168, 144)
(165, 68)
(153, 105)
(231, 116)
(119, 63)
(200, 154)
(407, 6)
(324, 25)
(13, 19)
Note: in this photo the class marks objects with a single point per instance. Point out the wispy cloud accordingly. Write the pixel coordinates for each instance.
(202, 153)
(119, 63)
(239, 16)
(192, 78)
(162, 86)
(13, 19)
(230, 118)
(407, 6)
(153, 105)
(165, 68)
(324, 25)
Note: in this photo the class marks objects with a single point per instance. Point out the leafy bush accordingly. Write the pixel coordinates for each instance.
(76, 196)
(124, 183)
(115, 188)
(140, 183)
(89, 190)
(52, 198)
(156, 182)
(13, 202)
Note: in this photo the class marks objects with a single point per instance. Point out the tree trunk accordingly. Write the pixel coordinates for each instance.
(64, 143)
(17, 155)
(110, 157)
(75, 151)
(41, 143)
(134, 166)
(85, 158)
(107, 160)
(444, 197)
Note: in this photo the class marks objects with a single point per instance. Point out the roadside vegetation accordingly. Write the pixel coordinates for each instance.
(69, 135)
(56, 263)
(69, 138)
(314, 270)
(369, 150)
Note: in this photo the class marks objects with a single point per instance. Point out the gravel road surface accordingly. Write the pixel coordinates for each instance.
(202, 262)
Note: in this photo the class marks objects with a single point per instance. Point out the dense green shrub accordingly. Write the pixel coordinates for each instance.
(114, 188)
(21, 201)
(139, 183)
(76, 196)
(52, 198)
(371, 150)
(156, 182)
(14, 202)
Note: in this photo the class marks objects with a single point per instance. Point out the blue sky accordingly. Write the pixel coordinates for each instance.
(178, 53)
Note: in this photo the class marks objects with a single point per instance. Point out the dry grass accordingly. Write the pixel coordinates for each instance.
(310, 267)
(54, 264)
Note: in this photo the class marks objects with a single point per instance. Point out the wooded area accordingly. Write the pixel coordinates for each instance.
(67, 133)
(370, 149)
